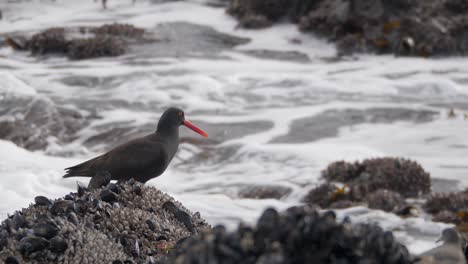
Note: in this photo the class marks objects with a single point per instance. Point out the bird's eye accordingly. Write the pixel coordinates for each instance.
(181, 113)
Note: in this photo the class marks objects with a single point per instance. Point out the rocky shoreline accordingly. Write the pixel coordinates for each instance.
(403, 27)
(134, 223)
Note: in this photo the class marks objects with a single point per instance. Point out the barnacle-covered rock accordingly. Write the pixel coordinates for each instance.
(51, 40)
(84, 42)
(130, 227)
(453, 202)
(446, 217)
(385, 200)
(100, 46)
(125, 30)
(404, 176)
(324, 195)
(299, 235)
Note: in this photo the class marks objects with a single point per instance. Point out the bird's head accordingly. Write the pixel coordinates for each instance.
(175, 117)
(450, 235)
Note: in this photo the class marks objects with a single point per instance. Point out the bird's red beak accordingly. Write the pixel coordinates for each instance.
(195, 128)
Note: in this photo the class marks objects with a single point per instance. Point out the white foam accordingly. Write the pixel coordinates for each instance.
(13, 86)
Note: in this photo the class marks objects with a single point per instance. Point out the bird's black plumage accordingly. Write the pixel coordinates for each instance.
(142, 158)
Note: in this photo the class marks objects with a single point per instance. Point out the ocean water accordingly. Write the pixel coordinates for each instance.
(272, 120)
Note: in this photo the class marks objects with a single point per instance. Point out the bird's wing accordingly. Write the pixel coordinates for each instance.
(132, 157)
(442, 255)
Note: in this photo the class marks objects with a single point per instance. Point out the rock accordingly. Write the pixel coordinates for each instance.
(406, 177)
(385, 200)
(294, 56)
(271, 9)
(51, 40)
(121, 30)
(299, 235)
(264, 192)
(31, 120)
(254, 22)
(324, 195)
(76, 43)
(96, 47)
(453, 202)
(400, 27)
(446, 217)
(17, 42)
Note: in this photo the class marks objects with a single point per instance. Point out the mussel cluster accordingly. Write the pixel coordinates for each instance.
(120, 223)
(299, 235)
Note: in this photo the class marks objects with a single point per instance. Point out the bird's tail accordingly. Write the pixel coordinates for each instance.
(76, 171)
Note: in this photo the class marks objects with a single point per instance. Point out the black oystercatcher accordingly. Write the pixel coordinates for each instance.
(142, 158)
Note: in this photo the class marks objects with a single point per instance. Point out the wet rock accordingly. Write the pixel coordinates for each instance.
(306, 130)
(108, 196)
(254, 22)
(273, 10)
(96, 47)
(385, 200)
(122, 30)
(264, 192)
(17, 42)
(342, 204)
(446, 217)
(31, 120)
(324, 195)
(106, 40)
(279, 55)
(404, 176)
(49, 41)
(32, 244)
(413, 28)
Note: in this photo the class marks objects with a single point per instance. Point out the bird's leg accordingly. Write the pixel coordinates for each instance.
(100, 178)
(104, 4)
